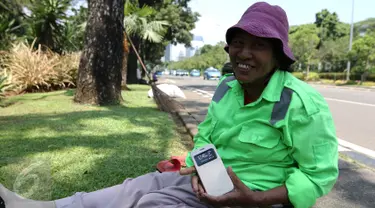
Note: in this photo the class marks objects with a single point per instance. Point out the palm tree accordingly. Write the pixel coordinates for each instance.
(139, 28)
(74, 30)
(12, 27)
(46, 21)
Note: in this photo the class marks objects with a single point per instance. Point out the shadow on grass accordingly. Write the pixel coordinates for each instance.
(67, 92)
(124, 142)
(38, 96)
(70, 92)
(125, 156)
(75, 121)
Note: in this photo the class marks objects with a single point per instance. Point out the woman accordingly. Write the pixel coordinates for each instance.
(275, 132)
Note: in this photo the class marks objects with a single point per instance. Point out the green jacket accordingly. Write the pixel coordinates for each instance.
(287, 136)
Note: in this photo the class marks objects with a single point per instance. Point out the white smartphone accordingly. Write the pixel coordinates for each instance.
(211, 171)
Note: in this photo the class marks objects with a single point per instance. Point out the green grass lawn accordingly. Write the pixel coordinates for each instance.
(52, 147)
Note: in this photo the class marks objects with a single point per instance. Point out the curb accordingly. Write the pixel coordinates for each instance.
(170, 105)
(190, 123)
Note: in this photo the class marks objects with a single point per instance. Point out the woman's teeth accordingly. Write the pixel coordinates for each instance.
(245, 66)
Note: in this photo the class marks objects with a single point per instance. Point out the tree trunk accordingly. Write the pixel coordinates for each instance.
(143, 57)
(308, 71)
(125, 64)
(99, 74)
(124, 72)
(132, 63)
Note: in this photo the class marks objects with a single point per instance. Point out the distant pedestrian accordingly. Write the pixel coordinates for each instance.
(154, 77)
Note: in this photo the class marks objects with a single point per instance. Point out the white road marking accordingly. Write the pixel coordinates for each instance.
(169, 80)
(356, 148)
(204, 92)
(351, 102)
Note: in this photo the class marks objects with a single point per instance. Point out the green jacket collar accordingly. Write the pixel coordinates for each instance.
(273, 90)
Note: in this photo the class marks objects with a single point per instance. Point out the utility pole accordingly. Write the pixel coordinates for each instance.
(350, 43)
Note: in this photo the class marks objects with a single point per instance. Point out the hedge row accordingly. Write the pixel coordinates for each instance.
(313, 76)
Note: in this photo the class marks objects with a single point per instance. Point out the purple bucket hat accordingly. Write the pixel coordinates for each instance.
(266, 21)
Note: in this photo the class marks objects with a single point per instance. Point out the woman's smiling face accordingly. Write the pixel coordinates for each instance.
(252, 57)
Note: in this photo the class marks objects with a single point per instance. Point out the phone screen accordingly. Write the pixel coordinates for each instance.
(205, 157)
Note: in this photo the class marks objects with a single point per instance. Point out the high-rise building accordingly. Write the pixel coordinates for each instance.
(179, 51)
(196, 44)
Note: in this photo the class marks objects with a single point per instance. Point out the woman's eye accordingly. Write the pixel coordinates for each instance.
(236, 42)
(260, 45)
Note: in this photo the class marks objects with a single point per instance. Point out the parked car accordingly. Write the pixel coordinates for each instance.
(211, 73)
(158, 73)
(182, 72)
(227, 69)
(195, 73)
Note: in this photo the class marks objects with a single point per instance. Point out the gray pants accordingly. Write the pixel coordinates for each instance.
(167, 190)
(153, 190)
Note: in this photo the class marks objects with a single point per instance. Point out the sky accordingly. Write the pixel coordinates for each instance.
(218, 15)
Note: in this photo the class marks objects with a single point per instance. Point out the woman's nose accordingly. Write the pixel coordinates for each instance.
(245, 53)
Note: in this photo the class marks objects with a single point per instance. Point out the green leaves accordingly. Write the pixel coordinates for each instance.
(329, 25)
(137, 23)
(46, 21)
(304, 41)
(154, 31)
(208, 56)
(363, 51)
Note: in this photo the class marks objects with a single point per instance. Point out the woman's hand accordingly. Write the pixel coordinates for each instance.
(195, 182)
(240, 196)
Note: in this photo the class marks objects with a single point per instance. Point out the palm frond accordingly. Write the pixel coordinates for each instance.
(145, 11)
(136, 22)
(130, 23)
(152, 36)
(129, 8)
(157, 26)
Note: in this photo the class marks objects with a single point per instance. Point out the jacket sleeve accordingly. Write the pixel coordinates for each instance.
(203, 136)
(315, 149)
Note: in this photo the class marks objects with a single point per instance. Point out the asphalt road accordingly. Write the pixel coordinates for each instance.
(353, 110)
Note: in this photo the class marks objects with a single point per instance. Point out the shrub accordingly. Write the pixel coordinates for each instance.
(67, 70)
(368, 84)
(370, 77)
(299, 75)
(333, 76)
(313, 76)
(37, 70)
(327, 81)
(5, 84)
(344, 82)
(340, 82)
(342, 76)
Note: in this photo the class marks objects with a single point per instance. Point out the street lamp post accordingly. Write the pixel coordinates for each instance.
(350, 43)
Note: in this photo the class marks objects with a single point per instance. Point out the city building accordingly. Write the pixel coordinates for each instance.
(179, 52)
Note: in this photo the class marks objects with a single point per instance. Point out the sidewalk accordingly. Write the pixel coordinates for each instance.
(355, 187)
